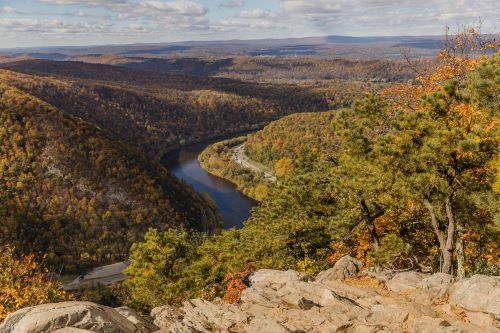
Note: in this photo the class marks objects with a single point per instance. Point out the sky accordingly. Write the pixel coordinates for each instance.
(27, 23)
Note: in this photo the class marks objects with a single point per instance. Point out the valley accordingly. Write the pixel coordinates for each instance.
(149, 115)
(190, 181)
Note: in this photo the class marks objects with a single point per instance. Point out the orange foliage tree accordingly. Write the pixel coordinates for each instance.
(461, 54)
(235, 284)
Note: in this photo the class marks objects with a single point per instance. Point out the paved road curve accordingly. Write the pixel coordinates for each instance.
(237, 156)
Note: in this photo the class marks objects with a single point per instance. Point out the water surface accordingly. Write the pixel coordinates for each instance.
(233, 205)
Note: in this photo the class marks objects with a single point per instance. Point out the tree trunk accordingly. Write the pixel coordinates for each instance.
(450, 239)
(369, 223)
(445, 242)
(447, 261)
(459, 249)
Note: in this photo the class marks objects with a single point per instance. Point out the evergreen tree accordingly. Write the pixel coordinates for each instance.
(359, 182)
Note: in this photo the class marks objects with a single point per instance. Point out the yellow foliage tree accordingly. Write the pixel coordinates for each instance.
(439, 92)
(283, 167)
(261, 192)
(23, 283)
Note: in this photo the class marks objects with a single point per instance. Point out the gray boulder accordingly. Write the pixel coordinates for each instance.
(166, 316)
(484, 321)
(437, 281)
(199, 315)
(345, 290)
(265, 325)
(388, 314)
(479, 293)
(405, 281)
(346, 267)
(436, 285)
(144, 324)
(71, 330)
(68, 316)
(369, 329)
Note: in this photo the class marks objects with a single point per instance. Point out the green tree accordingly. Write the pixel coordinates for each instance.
(358, 180)
(442, 155)
(156, 274)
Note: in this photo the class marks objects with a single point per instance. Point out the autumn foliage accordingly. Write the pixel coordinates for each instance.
(463, 52)
(70, 192)
(24, 282)
(235, 284)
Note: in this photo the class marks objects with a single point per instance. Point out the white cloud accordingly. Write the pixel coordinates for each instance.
(106, 3)
(186, 8)
(257, 13)
(231, 4)
(156, 15)
(166, 20)
(389, 17)
(62, 28)
(10, 10)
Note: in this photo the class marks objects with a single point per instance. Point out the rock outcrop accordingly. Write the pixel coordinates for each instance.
(405, 281)
(278, 301)
(479, 293)
(289, 301)
(74, 317)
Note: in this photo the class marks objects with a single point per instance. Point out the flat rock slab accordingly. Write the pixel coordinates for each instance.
(405, 281)
(480, 293)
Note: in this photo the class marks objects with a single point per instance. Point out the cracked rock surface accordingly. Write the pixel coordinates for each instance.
(343, 300)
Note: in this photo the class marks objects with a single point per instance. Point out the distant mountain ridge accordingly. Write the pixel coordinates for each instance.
(322, 46)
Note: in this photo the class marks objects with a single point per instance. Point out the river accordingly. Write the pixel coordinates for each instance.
(233, 205)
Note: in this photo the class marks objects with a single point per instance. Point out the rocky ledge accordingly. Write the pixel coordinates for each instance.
(342, 299)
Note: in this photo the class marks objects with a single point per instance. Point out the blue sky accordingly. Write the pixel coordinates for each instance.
(83, 22)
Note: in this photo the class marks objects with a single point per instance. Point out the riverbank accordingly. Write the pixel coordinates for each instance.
(224, 160)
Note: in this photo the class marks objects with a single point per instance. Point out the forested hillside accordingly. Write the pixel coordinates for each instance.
(161, 111)
(303, 68)
(282, 146)
(69, 192)
(268, 68)
(218, 159)
(292, 139)
(405, 179)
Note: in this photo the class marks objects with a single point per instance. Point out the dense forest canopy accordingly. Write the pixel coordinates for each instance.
(293, 137)
(270, 69)
(71, 185)
(160, 111)
(69, 192)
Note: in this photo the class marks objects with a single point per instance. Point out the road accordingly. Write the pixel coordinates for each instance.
(105, 275)
(237, 155)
